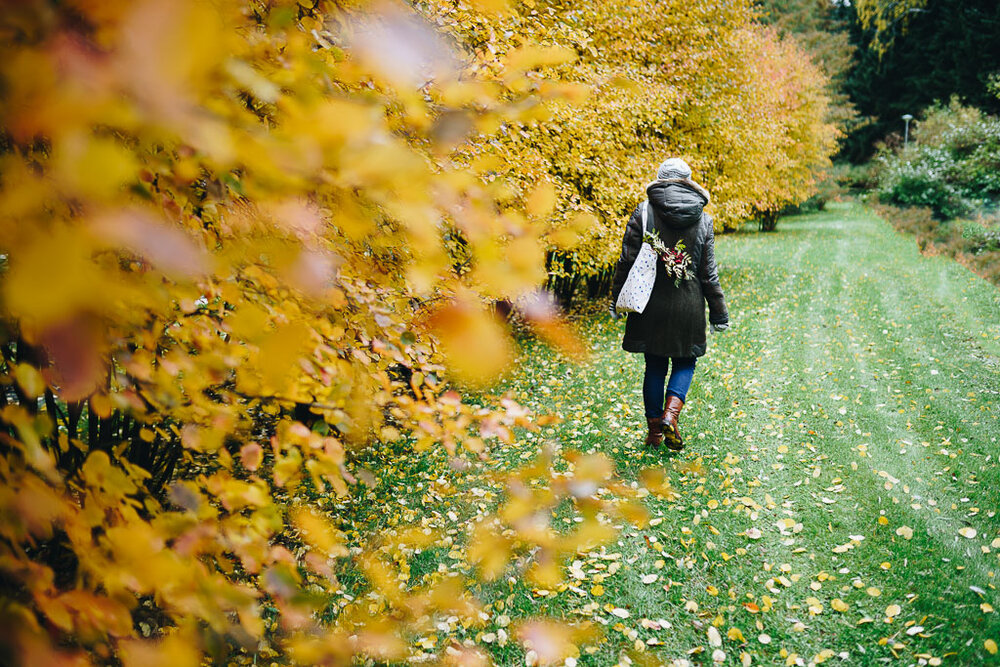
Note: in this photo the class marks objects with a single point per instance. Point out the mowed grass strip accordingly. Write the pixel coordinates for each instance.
(838, 496)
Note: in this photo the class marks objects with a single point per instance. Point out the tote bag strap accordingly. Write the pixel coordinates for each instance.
(645, 216)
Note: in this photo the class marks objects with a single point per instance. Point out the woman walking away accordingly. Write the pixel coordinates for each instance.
(670, 332)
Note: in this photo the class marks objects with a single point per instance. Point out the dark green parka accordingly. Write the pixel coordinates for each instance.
(673, 322)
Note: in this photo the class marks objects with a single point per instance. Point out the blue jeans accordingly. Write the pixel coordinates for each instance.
(656, 376)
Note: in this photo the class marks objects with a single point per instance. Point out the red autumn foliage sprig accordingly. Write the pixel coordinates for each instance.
(676, 260)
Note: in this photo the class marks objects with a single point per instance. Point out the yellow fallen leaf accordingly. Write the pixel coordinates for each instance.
(838, 604)
(823, 656)
(905, 532)
(990, 646)
(597, 590)
(893, 610)
(872, 591)
(967, 532)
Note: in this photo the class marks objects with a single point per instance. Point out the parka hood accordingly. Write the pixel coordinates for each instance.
(677, 202)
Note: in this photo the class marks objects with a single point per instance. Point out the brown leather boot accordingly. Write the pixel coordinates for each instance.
(655, 435)
(671, 433)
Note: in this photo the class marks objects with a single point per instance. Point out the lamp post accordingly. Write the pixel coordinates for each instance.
(906, 131)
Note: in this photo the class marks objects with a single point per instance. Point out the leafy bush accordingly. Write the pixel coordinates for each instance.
(981, 236)
(952, 166)
(923, 181)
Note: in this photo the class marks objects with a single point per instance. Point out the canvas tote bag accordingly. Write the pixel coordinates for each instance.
(639, 284)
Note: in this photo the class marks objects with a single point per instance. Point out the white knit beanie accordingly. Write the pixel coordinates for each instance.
(673, 167)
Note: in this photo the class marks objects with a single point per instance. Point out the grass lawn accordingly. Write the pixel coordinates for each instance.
(838, 497)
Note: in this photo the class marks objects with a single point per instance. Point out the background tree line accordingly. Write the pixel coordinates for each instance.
(886, 59)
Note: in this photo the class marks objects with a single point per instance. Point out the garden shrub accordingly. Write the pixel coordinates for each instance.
(952, 166)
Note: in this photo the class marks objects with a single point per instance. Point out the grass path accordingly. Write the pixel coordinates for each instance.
(843, 443)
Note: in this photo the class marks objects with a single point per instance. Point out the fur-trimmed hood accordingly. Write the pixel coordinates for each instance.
(677, 202)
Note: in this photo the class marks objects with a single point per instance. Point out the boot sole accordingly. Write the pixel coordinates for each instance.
(672, 441)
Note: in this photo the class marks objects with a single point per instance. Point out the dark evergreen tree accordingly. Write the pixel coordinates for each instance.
(951, 47)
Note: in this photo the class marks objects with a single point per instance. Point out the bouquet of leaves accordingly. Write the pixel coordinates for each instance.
(676, 260)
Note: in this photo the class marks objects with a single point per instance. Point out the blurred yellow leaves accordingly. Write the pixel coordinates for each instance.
(174, 650)
(30, 380)
(542, 200)
(279, 353)
(568, 235)
(551, 643)
(475, 345)
(491, 6)
(40, 295)
(524, 58)
(94, 166)
(241, 240)
(318, 533)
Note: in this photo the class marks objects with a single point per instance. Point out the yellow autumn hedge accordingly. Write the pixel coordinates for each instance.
(241, 240)
(699, 80)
